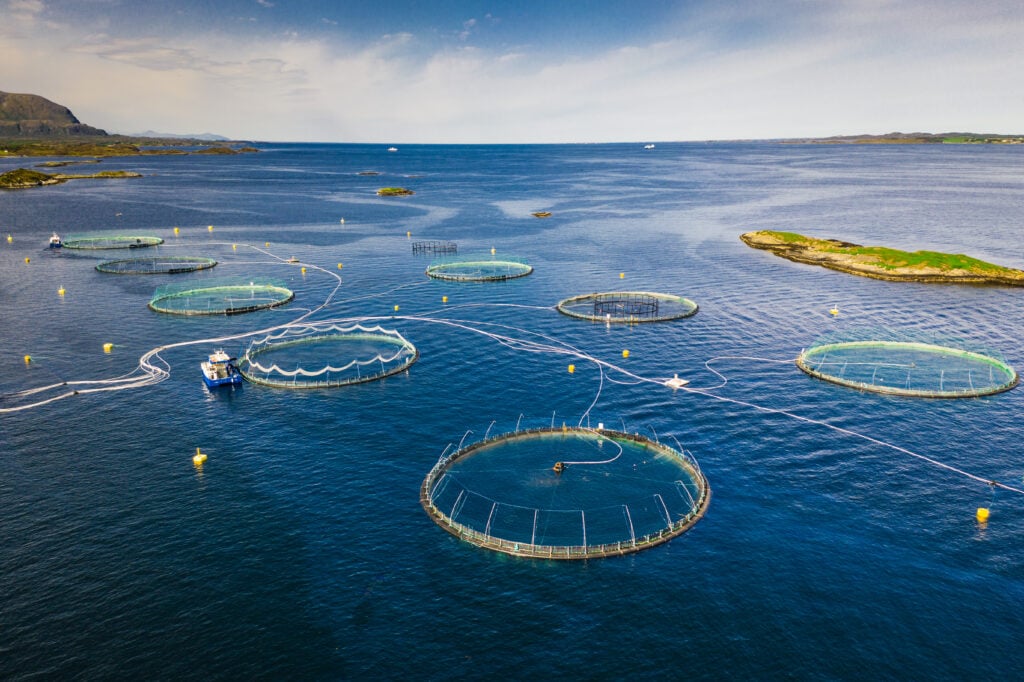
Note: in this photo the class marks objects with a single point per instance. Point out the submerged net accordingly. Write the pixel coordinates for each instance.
(479, 270)
(939, 369)
(159, 265)
(211, 297)
(324, 356)
(434, 247)
(627, 306)
(568, 493)
(111, 242)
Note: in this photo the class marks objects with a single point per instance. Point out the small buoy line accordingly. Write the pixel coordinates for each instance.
(153, 374)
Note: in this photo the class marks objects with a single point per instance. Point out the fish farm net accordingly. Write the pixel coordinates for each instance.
(909, 367)
(627, 306)
(434, 247)
(569, 493)
(479, 270)
(326, 356)
(159, 265)
(210, 297)
(111, 242)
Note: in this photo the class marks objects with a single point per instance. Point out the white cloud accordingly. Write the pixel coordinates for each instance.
(863, 67)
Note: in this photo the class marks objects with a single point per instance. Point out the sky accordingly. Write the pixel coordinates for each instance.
(531, 71)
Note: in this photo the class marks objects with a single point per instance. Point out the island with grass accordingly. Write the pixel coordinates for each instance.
(880, 262)
(21, 178)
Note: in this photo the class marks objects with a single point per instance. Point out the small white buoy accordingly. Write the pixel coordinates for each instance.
(342, 221)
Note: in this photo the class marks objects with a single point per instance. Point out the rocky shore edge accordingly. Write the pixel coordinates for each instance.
(858, 260)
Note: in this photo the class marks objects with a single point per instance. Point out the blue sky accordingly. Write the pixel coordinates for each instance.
(557, 71)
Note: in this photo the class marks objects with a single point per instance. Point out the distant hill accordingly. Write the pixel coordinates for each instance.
(207, 137)
(35, 116)
(917, 138)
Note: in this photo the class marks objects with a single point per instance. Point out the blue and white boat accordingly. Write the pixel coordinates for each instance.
(220, 370)
(55, 241)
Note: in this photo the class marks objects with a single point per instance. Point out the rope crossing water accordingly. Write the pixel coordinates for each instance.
(153, 369)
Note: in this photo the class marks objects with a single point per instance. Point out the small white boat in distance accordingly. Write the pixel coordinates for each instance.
(648, 146)
(392, 149)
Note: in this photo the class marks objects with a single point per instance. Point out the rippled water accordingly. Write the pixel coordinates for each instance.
(300, 551)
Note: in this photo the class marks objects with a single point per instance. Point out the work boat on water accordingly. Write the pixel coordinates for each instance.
(55, 241)
(220, 370)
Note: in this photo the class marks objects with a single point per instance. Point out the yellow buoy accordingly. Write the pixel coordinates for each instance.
(408, 234)
(572, 368)
(444, 299)
(303, 269)
(493, 251)
(28, 359)
(234, 247)
(107, 347)
(209, 228)
(342, 221)
(396, 308)
(622, 275)
(60, 292)
(982, 514)
(834, 311)
(625, 353)
(27, 260)
(177, 231)
(339, 266)
(199, 458)
(10, 239)
(266, 244)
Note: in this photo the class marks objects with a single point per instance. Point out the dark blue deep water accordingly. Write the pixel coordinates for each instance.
(300, 550)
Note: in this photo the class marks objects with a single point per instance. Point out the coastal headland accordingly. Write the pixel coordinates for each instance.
(21, 178)
(879, 262)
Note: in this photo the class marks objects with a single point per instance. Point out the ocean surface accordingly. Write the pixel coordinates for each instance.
(300, 549)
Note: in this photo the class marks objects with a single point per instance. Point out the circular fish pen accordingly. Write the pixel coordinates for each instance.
(111, 242)
(908, 368)
(568, 493)
(326, 356)
(158, 265)
(212, 298)
(627, 306)
(479, 270)
(434, 247)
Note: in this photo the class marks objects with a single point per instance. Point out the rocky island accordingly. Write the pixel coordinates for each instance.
(23, 177)
(880, 262)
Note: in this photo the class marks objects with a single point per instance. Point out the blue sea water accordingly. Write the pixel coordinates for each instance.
(300, 550)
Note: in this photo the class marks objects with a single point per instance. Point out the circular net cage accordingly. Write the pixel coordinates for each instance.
(111, 242)
(219, 298)
(569, 493)
(479, 270)
(434, 247)
(627, 306)
(907, 367)
(326, 356)
(160, 265)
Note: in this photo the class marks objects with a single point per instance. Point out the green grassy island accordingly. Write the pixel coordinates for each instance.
(394, 192)
(23, 177)
(880, 262)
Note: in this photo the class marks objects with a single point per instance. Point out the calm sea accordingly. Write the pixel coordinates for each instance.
(300, 550)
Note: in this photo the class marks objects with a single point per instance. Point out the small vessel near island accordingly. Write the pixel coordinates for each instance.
(55, 241)
(220, 370)
(392, 149)
(648, 146)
